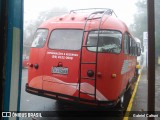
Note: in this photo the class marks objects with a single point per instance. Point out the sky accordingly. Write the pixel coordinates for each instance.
(124, 9)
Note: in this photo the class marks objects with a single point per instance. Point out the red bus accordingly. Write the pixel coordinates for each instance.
(84, 57)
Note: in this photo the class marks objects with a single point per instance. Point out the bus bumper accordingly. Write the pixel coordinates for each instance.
(71, 99)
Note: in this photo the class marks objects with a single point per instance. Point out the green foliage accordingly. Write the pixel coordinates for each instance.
(140, 19)
(140, 22)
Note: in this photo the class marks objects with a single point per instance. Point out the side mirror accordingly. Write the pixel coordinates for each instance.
(139, 52)
(142, 48)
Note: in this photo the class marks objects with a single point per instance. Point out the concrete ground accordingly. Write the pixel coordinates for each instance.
(140, 99)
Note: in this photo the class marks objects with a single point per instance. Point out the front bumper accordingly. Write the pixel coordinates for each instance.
(71, 99)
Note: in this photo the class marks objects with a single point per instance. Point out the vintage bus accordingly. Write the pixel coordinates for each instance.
(87, 56)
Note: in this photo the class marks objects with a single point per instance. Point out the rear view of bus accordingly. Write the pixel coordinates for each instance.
(79, 58)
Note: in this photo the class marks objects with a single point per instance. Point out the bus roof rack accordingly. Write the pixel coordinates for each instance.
(94, 11)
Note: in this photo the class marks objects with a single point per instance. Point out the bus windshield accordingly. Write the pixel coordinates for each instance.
(66, 39)
(109, 41)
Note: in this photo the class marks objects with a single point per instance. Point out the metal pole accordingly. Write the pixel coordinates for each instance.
(151, 57)
(3, 33)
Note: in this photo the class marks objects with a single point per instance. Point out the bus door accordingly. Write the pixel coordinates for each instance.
(98, 62)
(61, 68)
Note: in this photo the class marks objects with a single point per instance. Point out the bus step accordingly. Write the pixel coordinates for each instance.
(88, 62)
(88, 78)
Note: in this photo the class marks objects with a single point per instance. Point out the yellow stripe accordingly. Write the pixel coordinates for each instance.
(132, 98)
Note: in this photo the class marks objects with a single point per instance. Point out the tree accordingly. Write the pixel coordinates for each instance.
(140, 22)
(157, 27)
(31, 26)
(140, 19)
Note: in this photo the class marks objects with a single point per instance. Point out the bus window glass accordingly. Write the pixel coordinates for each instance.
(138, 49)
(134, 47)
(109, 41)
(66, 39)
(40, 38)
(130, 47)
(126, 43)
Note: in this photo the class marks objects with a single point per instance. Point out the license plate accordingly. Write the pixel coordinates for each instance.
(60, 70)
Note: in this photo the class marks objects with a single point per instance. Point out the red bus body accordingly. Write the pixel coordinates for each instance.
(84, 75)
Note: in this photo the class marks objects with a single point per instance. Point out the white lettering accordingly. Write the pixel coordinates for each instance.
(14, 114)
(60, 55)
(69, 58)
(34, 115)
(151, 115)
(139, 115)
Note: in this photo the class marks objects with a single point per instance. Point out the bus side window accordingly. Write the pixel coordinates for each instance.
(133, 47)
(109, 41)
(126, 43)
(138, 49)
(130, 46)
